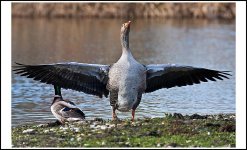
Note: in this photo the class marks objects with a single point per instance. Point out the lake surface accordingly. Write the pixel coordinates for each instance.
(200, 43)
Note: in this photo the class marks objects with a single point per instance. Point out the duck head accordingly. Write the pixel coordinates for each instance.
(57, 98)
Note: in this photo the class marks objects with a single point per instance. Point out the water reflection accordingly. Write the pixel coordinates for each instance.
(201, 43)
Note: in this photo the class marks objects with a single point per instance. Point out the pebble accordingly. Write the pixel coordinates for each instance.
(95, 123)
(111, 125)
(134, 124)
(46, 131)
(76, 129)
(79, 139)
(28, 131)
(41, 125)
(92, 126)
(103, 127)
(64, 128)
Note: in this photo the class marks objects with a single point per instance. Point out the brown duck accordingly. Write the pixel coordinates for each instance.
(65, 110)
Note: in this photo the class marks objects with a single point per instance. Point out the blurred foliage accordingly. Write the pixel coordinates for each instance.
(126, 10)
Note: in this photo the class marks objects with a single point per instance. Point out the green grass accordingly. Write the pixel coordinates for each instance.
(169, 131)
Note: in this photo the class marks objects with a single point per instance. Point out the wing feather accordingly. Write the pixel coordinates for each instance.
(88, 78)
(171, 75)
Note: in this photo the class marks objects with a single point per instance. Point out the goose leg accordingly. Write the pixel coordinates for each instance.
(133, 114)
(113, 101)
(139, 97)
(114, 115)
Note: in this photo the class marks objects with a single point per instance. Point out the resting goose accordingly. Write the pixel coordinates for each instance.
(125, 81)
(65, 110)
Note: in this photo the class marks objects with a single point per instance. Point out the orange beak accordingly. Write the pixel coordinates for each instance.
(127, 24)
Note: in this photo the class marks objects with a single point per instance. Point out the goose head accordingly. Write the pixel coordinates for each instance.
(125, 28)
(124, 35)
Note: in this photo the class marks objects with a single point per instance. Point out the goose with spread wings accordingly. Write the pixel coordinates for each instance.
(124, 81)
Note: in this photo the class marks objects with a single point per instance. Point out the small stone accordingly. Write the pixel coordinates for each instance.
(95, 123)
(92, 126)
(41, 125)
(64, 128)
(111, 126)
(133, 123)
(75, 129)
(46, 131)
(30, 131)
(79, 139)
(72, 139)
(103, 127)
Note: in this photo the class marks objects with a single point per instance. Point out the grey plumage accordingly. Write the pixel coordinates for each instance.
(88, 78)
(126, 80)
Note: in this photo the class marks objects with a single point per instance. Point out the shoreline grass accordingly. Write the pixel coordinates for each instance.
(172, 130)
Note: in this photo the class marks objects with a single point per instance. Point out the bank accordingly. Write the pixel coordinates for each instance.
(172, 130)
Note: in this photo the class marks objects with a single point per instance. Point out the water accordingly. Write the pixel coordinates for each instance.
(201, 43)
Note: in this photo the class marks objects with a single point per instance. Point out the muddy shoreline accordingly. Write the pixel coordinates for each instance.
(172, 130)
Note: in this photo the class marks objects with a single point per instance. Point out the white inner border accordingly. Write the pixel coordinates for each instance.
(240, 74)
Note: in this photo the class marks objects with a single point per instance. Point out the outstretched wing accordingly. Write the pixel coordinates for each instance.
(88, 78)
(171, 75)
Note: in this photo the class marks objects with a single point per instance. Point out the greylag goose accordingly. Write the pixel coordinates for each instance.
(125, 81)
(65, 110)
